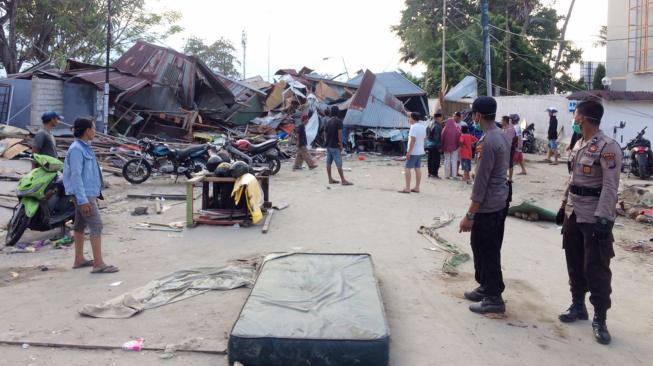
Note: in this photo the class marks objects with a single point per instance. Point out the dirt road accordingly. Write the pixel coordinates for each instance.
(428, 317)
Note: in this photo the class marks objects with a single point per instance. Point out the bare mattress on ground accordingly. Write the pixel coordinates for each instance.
(313, 309)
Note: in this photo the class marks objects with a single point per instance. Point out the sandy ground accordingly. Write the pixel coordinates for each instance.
(429, 319)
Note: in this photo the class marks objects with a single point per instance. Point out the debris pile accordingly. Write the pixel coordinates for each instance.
(636, 202)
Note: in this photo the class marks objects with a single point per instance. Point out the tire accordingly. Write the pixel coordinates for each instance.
(642, 166)
(134, 173)
(195, 165)
(274, 164)
(17, 225)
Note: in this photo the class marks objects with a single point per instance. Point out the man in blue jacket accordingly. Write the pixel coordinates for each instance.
(82, 178)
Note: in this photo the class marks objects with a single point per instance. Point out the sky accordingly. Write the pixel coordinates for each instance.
(332, 36)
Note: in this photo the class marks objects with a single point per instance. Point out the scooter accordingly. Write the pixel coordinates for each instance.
(43, 204)
(638, 153)
(264, 154)
(160, 157)
(528, 139)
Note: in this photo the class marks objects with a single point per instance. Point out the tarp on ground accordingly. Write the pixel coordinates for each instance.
(174, 287)
(374, 106)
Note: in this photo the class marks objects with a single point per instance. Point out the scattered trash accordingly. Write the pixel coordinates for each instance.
(281, 206)
(25, 346)
(361, 157)
(14, 274)
(236, 226)
(116, 284)
(639, 246)
(151, 226)
(64, 242)
(187, 345)
(134, 345)
(44, 268)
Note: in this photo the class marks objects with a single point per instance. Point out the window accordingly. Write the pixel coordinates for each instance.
(640, 36)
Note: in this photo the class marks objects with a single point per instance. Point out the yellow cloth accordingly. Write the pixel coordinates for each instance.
(249, 184)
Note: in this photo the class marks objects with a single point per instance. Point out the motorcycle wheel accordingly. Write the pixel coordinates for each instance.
(274, 164)
(195, 165)
(134, 173)
(17, 226)
(642, 166)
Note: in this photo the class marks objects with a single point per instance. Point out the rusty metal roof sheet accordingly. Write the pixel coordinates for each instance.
(241, 91)
(374, 106)
(612, 95)
(118, 80)
(398, 85)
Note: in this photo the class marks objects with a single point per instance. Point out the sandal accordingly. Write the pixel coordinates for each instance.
(85, 263)
(334, 182)
(404, 191)
(105, 269)
(414, 190)
(347, 183)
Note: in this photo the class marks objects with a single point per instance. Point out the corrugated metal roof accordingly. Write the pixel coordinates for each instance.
(398, 85)
(257, 82)
(117, 79)
(241, 91)
(374, 106)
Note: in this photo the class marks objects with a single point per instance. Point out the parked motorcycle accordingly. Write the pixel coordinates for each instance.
(638, 156)
(529, 144)
(43, 204)
(263, 154)
(160, 157)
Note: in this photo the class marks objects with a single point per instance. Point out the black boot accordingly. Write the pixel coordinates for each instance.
(490, 304)
(601, 333)
(476, 294)
(577, 311)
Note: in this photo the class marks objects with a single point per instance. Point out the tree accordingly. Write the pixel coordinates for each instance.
(40, 30)
(531, 53)
(602, 37)
(599, 74)
(219, 55)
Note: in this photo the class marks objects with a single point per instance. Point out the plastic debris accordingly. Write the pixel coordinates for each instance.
(135, 345)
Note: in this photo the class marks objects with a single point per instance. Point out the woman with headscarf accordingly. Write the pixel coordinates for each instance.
(450, 143)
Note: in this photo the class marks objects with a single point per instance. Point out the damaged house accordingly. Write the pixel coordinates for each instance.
(412, 96)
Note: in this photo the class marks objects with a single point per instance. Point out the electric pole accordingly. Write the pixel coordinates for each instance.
(485, 23)
(105, 104)
(244, 42)
(443, 79)
(508, 48)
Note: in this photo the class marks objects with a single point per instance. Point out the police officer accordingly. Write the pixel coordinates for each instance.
(588, 212)
(487, 212)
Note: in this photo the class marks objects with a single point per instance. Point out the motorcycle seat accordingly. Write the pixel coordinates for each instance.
(184, 153)
(263, 146)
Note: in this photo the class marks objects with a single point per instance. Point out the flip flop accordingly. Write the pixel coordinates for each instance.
(105, 269)
(402, 191)
(347, 183)
(86, 263)
(334, 182)
(414, 191)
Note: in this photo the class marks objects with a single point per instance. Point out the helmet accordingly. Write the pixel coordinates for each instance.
(552, 110)
(223, 169)
(243, 145)
(213, 163)
(514, 118)
(239, 168)
(225, 156)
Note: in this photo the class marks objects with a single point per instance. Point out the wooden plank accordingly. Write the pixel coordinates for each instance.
(189, 203)
(268, 219)
(167, 196)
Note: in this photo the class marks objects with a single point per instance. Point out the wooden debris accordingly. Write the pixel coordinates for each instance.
(170, 197)
(268, 220)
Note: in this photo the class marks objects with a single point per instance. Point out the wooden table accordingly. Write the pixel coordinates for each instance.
(216, 196)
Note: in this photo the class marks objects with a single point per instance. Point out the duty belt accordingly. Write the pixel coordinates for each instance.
(584, 191)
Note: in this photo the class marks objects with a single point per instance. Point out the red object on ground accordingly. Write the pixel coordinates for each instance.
(361, 157)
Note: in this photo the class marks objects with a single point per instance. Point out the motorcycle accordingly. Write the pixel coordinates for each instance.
(638, 156)
(160, 157)
(528, 139)
(263, 154)
(43, 204)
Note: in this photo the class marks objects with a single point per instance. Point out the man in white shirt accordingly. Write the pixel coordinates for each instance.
(414, 152)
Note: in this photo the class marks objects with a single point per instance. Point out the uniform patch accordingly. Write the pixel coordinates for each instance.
(587, 169)
(609, 156)
(479, 151)
(593, 148)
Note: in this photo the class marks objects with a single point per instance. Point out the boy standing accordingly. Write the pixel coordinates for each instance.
(466, 142)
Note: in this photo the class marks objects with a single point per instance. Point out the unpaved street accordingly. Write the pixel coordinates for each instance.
(429, 320)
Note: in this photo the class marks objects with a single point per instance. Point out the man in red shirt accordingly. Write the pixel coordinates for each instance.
(466, 142)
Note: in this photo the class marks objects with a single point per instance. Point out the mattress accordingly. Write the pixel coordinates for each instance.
(312, 309)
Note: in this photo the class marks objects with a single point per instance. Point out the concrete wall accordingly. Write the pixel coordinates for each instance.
(79, 100)
(637, 115)
(21, 102)
(532, 108)
(47, 95)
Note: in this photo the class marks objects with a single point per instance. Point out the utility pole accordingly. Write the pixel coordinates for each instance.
(443, 79)
(485, 23)
(105, 104)
(244, 42)
(508, 48)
